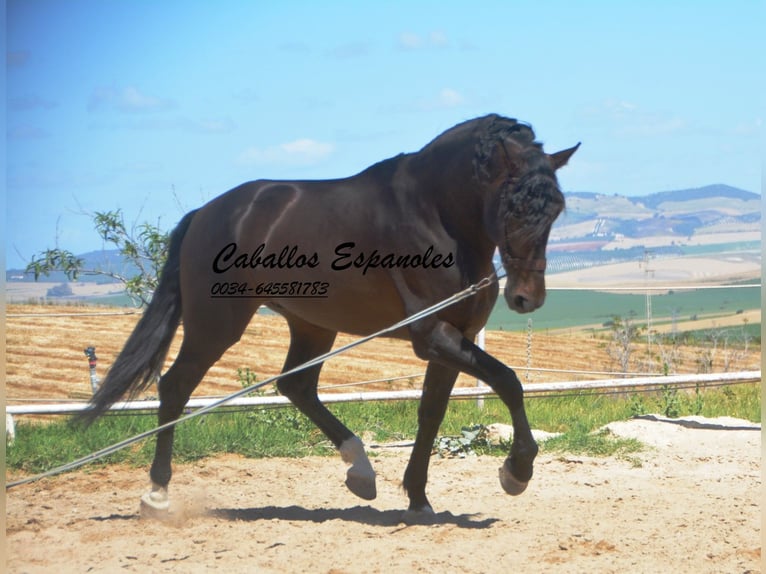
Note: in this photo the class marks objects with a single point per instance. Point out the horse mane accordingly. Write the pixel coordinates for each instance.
(498, 128)
(487, 130)
(531, 196)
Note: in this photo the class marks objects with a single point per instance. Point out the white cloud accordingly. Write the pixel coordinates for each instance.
(449, 98)
(412, 41)
(302, 151)
(170, 123)
(438, 39)
(626, 118)
(654, 125)
(445, 99)
(127, 99)
(620, 106)
(751, 128)
(610, 108)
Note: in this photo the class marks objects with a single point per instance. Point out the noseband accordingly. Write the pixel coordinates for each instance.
(523, 264)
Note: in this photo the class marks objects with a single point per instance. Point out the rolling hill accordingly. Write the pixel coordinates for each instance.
(682, 213)
(598, 229)
(595, 229)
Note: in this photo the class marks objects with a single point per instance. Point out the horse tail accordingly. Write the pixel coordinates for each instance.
(141, 359)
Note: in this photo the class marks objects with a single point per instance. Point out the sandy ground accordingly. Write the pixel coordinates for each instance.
(689, 503)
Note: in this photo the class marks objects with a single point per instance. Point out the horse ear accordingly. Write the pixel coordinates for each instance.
(560, 158)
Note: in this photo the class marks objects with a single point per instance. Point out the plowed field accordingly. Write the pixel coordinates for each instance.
(45, 358)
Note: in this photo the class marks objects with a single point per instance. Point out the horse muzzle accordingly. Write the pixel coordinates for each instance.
(524, 300)
(525, 284)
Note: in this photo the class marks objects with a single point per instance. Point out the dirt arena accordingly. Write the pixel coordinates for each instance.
(689, 503)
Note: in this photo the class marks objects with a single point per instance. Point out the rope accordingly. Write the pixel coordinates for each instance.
(468, 292)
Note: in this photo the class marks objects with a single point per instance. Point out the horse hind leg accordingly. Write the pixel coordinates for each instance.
(175, 388)
(308, 341)
(206, 338)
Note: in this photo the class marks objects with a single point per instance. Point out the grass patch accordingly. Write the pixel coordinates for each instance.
(599, 443)
(40, 447)
(269, 432)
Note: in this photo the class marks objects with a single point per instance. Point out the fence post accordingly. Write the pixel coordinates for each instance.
(479, 383)
(529, 350)
(90, 352)
(10, 429)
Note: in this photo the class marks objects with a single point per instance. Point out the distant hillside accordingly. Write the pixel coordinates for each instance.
(681, 213)
(719, 190)
(597, 229)
(106, 260)
(594, 230)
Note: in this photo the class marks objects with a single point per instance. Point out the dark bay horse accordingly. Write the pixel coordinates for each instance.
(357, 255)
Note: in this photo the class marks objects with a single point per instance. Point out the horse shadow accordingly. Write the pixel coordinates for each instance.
(361, 514)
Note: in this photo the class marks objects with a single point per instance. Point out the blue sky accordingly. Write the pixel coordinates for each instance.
(157, 107)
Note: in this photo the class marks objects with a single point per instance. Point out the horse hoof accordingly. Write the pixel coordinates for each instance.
(424, 515)
(510, 484)
(360, 478)
(155, 504)
(363, 485)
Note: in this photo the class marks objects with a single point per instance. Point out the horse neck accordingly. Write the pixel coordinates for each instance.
(449, 182)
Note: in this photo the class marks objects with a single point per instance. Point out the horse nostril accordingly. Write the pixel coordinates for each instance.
(520, 302)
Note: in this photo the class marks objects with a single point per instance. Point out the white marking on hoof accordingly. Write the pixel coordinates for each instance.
(425, 515)
(510, 484)
(155, 504)
(360, 478)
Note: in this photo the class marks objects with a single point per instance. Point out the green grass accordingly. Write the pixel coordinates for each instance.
(569, 309)
(268, 432)
(600, 443)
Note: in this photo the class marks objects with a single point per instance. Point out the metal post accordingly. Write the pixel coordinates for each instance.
(480, 342)
(529, 351)
(10, 429)
(90, 352)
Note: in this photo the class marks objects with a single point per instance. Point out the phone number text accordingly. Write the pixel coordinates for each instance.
(294, 289)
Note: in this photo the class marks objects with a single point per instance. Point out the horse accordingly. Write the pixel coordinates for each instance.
(356, 255)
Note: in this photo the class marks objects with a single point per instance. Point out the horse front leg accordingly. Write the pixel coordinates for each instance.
(437, 387)
(447, 346)
(308, 341)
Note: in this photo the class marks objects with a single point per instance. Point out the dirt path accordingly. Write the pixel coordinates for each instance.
(690, 503)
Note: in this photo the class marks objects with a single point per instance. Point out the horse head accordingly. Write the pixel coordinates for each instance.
(525, 200)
